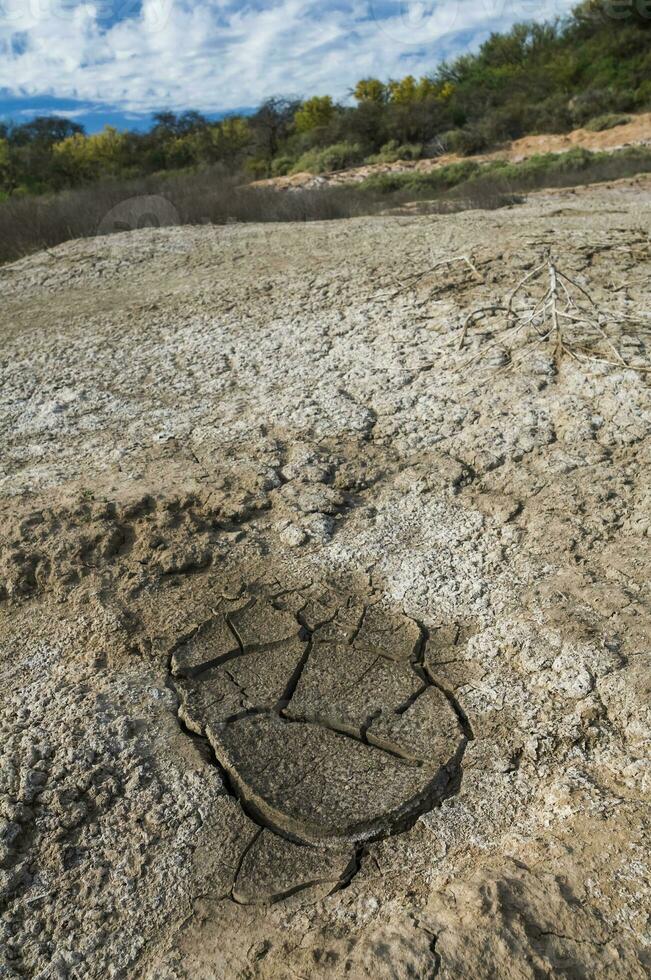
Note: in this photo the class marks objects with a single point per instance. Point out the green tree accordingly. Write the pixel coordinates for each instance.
(226, 141)
(270, 127)
(371, 90)
(89, 157)
(407, 90)
(44, 130)
(315, 113)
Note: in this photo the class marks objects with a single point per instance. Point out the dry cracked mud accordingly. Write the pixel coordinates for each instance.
(324, 637)
(321, 741)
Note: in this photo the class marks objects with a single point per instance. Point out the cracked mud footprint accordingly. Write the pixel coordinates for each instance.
(325, 744)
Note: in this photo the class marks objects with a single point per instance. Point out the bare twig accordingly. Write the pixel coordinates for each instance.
(579, 287)
(475, 315)
(417, 276)
(553, 318)
(522, 283)
(458, 258)
(553, 296)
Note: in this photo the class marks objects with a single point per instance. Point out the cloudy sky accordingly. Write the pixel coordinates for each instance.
(121, 60)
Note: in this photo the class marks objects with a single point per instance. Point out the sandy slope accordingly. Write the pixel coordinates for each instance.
(324, 643)
(635, 133)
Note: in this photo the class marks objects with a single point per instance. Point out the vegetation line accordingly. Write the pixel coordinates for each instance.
(588, 69)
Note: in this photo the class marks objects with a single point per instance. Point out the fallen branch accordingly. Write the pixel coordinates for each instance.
(475, 315)
(417, 276)
(555, 317)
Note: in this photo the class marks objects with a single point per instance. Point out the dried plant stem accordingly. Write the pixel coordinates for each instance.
(553, 317)
(476, 315)
(417, 276)
(553, 297)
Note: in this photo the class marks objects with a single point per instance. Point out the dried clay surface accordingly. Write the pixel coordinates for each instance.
(324, 599)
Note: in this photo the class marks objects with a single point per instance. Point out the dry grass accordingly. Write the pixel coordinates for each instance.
(28, 224)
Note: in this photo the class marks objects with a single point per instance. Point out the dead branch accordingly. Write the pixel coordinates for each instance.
(555, 317)
(416, 277)
(476, 315)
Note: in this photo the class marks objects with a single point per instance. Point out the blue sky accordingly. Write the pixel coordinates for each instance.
(118, 61)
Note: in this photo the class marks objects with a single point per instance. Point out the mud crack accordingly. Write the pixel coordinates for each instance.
(328, 738)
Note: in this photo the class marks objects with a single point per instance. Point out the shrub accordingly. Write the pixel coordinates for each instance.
(435, 147)
(30, 223)
(198, 197)
(643, 94)
(386, 183)
(598, 102)
(314, 114)
(444, 143)
(257, 168)
(441, 179)
(335, 157)
(89, 157)
(281, 166)
(498, 178)
(394, 151)
(466, 142)
(552, 115)
(608, 121)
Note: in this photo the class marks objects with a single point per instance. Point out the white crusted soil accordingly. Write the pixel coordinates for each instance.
(250, 484)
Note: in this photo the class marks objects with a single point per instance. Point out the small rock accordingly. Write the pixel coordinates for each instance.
(293, 536)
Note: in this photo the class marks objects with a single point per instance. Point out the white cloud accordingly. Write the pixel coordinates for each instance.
(220, 55)
(68, 112)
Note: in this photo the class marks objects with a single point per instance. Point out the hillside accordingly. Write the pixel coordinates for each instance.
(535, 79)
(633, 131)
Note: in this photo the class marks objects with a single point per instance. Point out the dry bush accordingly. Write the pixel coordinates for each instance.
(28, 224)
(562, 316)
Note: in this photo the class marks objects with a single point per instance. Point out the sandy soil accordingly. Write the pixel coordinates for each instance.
(635, 133)
(323, 636)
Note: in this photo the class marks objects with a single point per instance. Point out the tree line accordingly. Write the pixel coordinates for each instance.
(536, 78)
